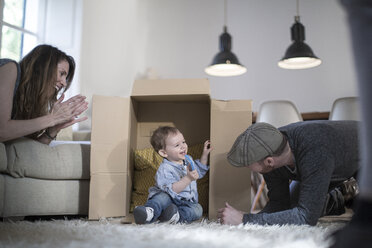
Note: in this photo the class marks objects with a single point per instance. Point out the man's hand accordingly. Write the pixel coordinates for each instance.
(229, 215)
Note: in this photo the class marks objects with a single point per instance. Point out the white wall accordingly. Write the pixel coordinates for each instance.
(124, 40)
(63, 30)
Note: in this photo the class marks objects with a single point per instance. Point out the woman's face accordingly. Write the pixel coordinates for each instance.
(62, 72)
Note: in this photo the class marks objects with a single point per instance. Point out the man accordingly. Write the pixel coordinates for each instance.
(304, 165)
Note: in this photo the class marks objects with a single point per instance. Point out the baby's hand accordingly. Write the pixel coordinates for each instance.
(190, 162)
(206, 150)
(207, 147)
(192, 175)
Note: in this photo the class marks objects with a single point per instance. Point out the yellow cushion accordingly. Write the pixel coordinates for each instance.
(146, 163)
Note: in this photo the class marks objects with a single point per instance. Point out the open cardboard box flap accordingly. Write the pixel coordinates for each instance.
(170, 89)
(122, 125)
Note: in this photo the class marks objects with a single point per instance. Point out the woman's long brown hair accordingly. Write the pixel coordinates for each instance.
(36, 92)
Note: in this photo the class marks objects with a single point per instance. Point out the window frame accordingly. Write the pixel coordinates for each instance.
(39, 34)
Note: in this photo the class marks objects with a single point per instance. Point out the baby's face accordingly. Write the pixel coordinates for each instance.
(175, 148)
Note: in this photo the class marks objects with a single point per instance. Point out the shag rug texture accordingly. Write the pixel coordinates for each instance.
(111, 233)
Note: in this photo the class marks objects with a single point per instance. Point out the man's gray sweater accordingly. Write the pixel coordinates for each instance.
(325, 152)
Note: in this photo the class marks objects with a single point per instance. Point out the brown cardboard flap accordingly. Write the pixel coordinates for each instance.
(110, 129)
(107, 196)
(233, 105)
(171, 87)
(228, 183)
(109, 157)
(112, 112)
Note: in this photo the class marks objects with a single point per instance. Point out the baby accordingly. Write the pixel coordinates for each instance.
(174, 198)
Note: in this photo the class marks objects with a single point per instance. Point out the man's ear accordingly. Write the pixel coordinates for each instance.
(269, 161)
(163, 153)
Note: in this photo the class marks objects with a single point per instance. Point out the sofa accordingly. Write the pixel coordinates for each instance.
(45, 180)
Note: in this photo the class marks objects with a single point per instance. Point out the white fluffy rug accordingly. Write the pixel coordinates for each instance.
(110, 233)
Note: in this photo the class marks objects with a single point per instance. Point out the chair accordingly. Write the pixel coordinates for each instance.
(345, 108)
(277, 113)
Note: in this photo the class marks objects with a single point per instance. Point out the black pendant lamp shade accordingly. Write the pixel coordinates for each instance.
(298, 55)
(225, 63)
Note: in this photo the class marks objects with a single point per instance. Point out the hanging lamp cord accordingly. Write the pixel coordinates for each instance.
(297, 18)
(225, 13)
(298, 8)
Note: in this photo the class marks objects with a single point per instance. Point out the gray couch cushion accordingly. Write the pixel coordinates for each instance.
(29, 196)
(29, 158)
(3, 160)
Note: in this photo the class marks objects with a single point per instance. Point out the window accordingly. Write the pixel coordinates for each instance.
(20, 27)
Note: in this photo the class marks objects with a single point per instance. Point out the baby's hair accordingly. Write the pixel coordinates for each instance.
(159, 136)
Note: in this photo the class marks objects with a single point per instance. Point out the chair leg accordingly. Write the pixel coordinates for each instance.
(258, 195)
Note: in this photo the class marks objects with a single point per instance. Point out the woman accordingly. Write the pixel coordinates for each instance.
(28, 95)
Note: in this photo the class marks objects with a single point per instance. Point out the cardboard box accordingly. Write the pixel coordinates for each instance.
(122, 125)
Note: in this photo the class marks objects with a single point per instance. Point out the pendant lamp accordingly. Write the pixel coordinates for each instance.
(298, 55)
(225, 63)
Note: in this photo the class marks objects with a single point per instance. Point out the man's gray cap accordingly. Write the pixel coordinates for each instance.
(254, 144)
